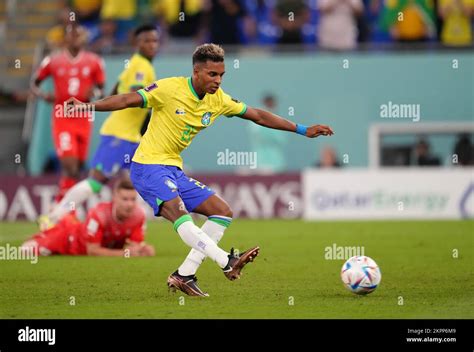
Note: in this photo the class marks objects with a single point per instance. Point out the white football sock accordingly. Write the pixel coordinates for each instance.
(195, 238)
(214, 227)
(75, 197)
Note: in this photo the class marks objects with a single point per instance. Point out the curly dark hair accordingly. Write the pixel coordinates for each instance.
(207, 52)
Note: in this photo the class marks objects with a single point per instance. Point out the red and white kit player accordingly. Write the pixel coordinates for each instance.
(76, 73)
(111, 229)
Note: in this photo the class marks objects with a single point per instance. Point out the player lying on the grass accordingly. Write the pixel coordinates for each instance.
(115, 228)
(182, 107)
(120, 133)
(76, 73)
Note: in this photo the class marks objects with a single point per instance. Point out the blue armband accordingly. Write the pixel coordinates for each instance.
(301, 129)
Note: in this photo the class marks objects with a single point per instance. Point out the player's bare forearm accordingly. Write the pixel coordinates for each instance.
(34, 86)
(269, 120)
(36, 90)
(147, 250)
(97, 250)
(112, 103)
(118, 102)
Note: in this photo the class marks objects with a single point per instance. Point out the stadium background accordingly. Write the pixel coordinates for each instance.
(309, 83)
(344, 89)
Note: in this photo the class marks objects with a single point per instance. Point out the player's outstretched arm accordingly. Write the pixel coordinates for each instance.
(112, 103)
(144, 249)
(267, 119)
(95, 249)
(36, 90)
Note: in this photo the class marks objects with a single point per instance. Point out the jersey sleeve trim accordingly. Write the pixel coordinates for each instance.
(244, 110)
(144, 98)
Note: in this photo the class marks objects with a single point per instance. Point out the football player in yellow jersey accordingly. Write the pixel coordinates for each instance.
(120, 133)
(181, 108)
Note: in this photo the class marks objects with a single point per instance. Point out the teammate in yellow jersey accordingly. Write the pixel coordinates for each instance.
(181, 108)
(120, 133)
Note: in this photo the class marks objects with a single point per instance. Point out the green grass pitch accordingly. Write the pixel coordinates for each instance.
(421, 276)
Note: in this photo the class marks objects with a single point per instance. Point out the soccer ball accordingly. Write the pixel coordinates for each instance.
(361, 275)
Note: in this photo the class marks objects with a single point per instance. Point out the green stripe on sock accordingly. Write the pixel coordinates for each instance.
(183, 218)
(220, 222)
(95, 185)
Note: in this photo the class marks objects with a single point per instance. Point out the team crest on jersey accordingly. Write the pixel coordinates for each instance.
(171, 185)
(139, 76)
(92, 227)
(206, 118)
(151, 87)
(86, 71)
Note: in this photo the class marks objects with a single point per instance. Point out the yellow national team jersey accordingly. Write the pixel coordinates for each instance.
(126, 124)
(178, 115)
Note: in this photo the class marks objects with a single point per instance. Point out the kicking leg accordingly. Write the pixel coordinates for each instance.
(219, 218)
(202, 245)
(175, 211)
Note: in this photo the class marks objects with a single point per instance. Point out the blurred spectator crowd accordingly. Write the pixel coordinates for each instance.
(330, 24)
